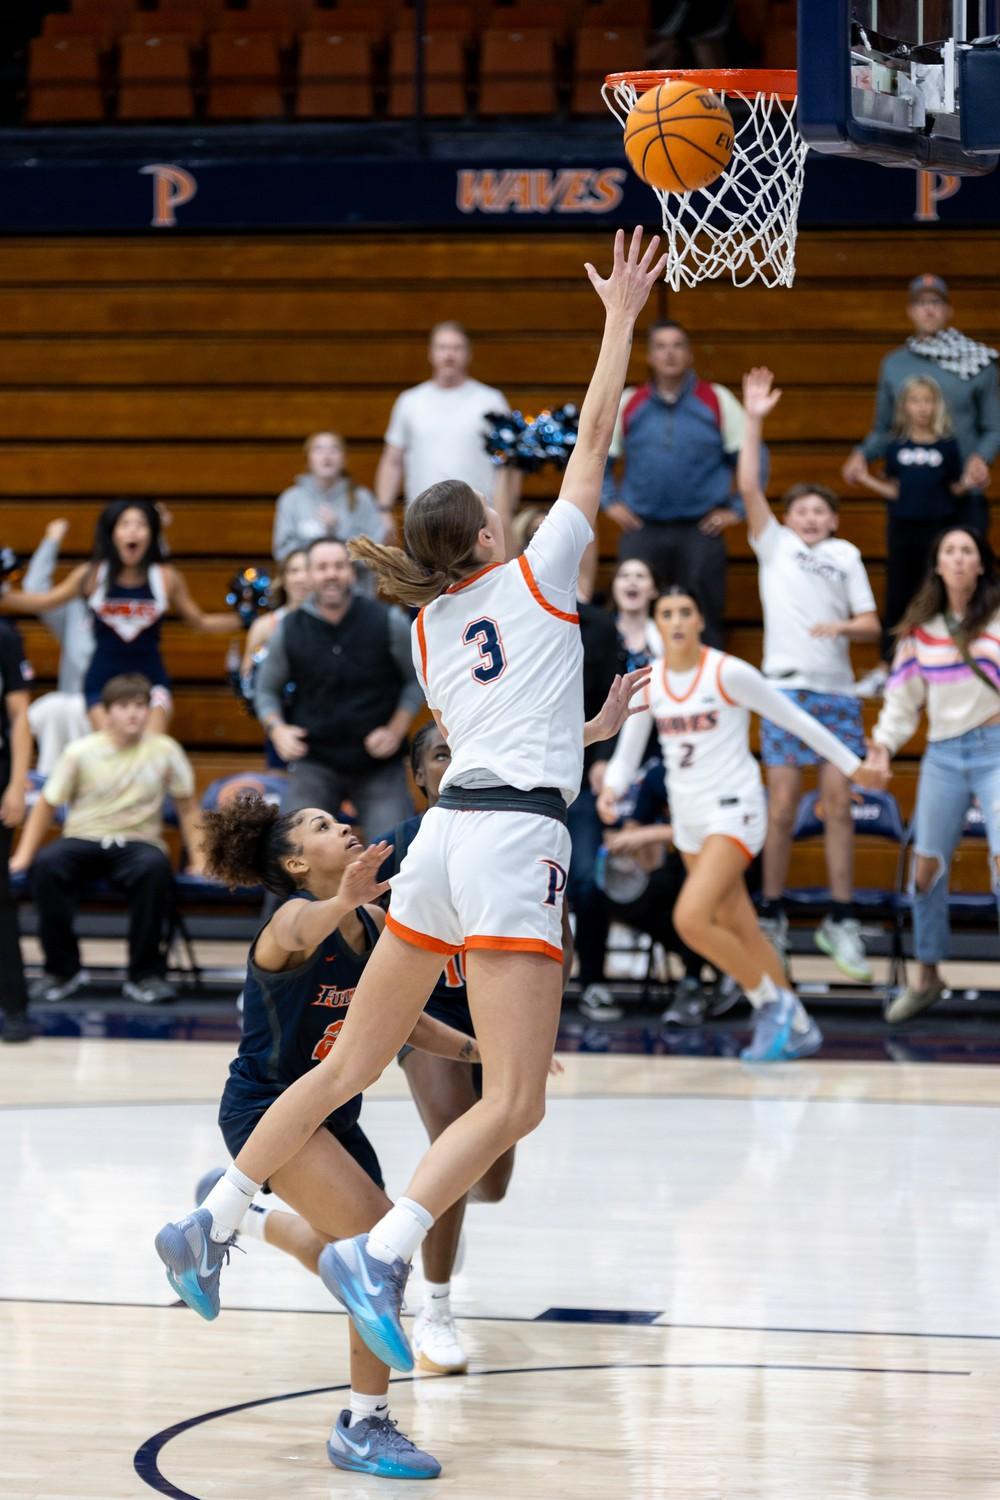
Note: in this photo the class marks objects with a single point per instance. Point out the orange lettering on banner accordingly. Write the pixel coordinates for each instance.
(610, 190)
(172, 188)
(933, 188)
(573, 199)
(568, 191)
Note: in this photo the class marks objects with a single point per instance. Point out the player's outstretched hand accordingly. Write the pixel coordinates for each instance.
(759, 394)
(633, 276)
(617, 707)
(359, 884)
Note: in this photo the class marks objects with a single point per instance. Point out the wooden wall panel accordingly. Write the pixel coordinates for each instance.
(189, 371)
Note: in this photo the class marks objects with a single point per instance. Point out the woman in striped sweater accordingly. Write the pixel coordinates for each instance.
(947, 663)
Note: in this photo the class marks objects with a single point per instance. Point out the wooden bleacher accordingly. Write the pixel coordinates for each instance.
(190, 369)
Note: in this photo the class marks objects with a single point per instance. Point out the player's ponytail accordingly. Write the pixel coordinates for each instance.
(245, 842)
(440, 533)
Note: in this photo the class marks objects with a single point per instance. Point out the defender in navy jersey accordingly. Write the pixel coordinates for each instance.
(302, 971)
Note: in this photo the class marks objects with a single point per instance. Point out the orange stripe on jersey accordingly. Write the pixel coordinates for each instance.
(422, 642)
(463, 583)
(420, 939)
(718, 681)
(697, 678)
(512, 945)
(539, 597)
(739, 844)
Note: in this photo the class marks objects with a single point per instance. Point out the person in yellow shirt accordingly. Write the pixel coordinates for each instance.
(113, 785)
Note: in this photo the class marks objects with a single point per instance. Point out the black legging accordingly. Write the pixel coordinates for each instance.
(907, 547)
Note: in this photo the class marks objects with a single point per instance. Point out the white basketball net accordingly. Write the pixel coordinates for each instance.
(745, 222)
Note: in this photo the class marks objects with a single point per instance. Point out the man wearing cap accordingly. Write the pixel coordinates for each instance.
(967, 374)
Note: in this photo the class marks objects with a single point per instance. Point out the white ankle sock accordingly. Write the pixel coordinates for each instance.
(253, 1226)
(437, 1298)
(228, 1202)
(400, 1233)
(362, 1406)
(762, 993)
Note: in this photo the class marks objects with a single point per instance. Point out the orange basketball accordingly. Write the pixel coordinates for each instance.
(679, 136)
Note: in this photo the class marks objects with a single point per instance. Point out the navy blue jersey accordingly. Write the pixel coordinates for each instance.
(449, 1001)
(291, 1020)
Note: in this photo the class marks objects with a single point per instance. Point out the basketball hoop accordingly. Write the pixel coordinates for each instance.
(744, 222)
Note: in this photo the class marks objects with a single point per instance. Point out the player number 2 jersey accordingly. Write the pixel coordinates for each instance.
(499, 658)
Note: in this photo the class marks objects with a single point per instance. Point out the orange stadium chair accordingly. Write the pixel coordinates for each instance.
(189, 23)
(444, 75)
(154, 79)
(547, 15)
(355, 15)
(335, 77)
(597, 53)
(272, 22)
(517, 73)
(617, 14)
(117, 11)
(244, 78)
(64, 81)
(103, 27)
(298, 12)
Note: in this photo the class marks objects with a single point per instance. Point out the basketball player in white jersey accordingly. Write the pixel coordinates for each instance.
(497, 647)
(700, 700)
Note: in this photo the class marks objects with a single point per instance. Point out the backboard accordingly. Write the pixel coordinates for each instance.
(902, 82)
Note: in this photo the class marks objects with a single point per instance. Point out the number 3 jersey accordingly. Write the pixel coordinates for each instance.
(292, 1018)
(500, 660)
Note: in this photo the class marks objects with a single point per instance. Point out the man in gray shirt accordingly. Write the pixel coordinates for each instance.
(965, 370)
(337, 693)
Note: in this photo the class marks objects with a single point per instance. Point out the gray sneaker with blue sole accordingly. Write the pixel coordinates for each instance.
(372, 1291)
(375, 1445)
(193, 1261)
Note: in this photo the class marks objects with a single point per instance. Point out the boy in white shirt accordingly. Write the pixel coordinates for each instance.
(816, 600)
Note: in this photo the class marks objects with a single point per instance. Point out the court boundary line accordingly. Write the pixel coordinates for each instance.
(145, 1460)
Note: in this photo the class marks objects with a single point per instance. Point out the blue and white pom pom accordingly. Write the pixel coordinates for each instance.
(249, 594)
(529, 443)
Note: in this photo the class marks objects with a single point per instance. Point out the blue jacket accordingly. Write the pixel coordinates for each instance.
(679, 456)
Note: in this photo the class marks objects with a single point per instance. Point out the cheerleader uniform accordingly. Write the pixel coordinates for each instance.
(127, 634)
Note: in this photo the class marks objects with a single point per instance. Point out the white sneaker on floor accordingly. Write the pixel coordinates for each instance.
(597, 1003)
(435, 1342)
(842, 942)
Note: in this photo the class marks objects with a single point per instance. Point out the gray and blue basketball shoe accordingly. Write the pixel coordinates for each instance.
(375, 1445)
(193, 1261)
(372, 1291)
(774, 1036)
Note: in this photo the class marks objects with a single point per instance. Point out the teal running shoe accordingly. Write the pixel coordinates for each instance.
(194, 1261)
(375, 1445)
(774, 1036)
(372, 1291)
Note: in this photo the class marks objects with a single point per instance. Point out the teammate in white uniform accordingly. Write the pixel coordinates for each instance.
(701, 701)
(499, 653)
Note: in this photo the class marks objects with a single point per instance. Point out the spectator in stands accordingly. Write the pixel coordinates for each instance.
(15, 758)
(948, 664)
(128, 589)
(642, 877)
(325, 501)
(60, 717)
(967, 374)
(816, 600)
(691, 34)
(585, 898)
(436, 431)
(923, 485)
(633, 592)
(288, 594)
(344, 732)
(113, 785)
(678, 437)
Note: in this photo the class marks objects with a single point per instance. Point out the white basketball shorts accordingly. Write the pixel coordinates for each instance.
(740, 818)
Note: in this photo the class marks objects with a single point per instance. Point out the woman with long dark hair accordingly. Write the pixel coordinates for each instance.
(497, 647)
(947, 665)
(129, 588)
(700, 700)
(302, 971)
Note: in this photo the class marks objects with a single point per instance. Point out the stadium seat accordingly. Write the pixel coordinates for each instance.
(548, 15)
(599, 51)
(118, 10)
(335, 77)
(616, 14)
(269, 22)
(298, 13)
(444, 75)
(154, 79)
(64, 81)
(517, 73)
(103, 27)
(189, 23)
(357, 16)
(244, 78)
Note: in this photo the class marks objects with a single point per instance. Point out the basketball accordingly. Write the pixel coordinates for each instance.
(679, 136)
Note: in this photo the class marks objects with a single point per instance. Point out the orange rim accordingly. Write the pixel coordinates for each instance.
(780, 82)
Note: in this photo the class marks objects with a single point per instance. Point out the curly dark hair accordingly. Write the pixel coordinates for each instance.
(246, 841)
(418, 746)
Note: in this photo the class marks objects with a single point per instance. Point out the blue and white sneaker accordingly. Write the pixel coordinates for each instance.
(375, 1445)
(193, 1261)
(372, 1291)
(774, 1036)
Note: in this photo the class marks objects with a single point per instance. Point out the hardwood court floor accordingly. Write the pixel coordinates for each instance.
(810, 1256)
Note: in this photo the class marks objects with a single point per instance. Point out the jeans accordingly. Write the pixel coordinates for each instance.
(587, 901)
(952, 772)
(381, 796)
(142, 871)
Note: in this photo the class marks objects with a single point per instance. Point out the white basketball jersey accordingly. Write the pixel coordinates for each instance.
(500, 659)
(704, 736)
